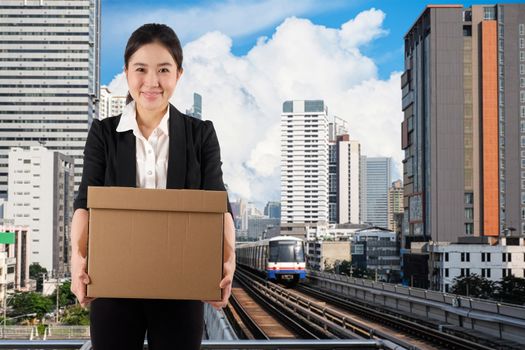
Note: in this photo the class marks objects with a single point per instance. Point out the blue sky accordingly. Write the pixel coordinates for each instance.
(386, 51)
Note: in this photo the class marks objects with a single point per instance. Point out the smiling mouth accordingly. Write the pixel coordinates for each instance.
(151, 94)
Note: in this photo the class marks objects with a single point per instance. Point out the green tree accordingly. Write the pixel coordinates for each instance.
(474, 286)
(75, 316)
(65, 296)
(23, 303)
(37, 272)
(512, 290)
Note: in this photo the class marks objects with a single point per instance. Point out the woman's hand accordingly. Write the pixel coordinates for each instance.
(79, 276)
(80, 279)
(228, 266)
(225, 285)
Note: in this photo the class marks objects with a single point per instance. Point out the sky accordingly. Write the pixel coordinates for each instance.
(246, 57)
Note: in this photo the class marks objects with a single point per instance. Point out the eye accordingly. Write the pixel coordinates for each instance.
(139, 69)
(164, 70)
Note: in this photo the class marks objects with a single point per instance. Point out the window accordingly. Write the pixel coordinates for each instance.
(522, 56)
(488, 256)
(462, 257)
(523, 163)
(522, 141)
(446, 256)
(509, 257)
(467, 272)
(462, 274)
(522, 69)
(469, 213)
(446, 288)
(522, 126)
(446, 272)
(490, 13)
(503, 257)
(522, 82)
(506, 272)
(483, 273)
(482, 257)
(523, 198)
(469, 197)
(521, 29)
(522, 43)
(467, 256)
(522, 96)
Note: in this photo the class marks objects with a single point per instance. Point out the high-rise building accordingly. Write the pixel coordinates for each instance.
(49, 76)
(273, 210)
(304, 162)
(464, 125)
(196, 110)
(375, 175)
(41, 192)
(395, 204)
(344, 173)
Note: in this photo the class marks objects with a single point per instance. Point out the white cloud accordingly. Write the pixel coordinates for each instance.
(243, 96)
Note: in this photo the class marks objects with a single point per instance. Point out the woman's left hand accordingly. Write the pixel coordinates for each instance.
(225, 285)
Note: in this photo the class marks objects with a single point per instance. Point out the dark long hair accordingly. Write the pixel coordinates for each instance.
(150, 33)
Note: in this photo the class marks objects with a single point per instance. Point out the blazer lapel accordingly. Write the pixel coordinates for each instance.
(177, 150)
(126, 160)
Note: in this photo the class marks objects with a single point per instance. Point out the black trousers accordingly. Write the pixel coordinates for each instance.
(122, 324)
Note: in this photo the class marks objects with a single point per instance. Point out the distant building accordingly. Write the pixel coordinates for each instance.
(273, 210)
(327, 254)
(375, 176)
(304, 163)
(41, 192)
(196, 110)
(14, 256)
(486, 257)
(110, 104)
(395, 205)
(344, 173)
(257, 225)
(376, 249)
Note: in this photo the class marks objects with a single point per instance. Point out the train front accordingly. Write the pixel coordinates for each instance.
(286, 261)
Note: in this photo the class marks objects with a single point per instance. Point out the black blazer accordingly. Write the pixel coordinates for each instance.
(194, 160)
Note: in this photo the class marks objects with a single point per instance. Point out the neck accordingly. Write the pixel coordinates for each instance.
(150, 118)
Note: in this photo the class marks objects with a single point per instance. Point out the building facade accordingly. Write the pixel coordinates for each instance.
(273, 210)
(395, 204)
(196, 110)
(487, 257)
(327, 254)
(344, 175)
(41, 192)
(14, 257)
(375, 181)
(49, 76)
(304, 162)
(463, 134)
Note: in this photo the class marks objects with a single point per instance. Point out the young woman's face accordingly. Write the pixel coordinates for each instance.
(152, 75)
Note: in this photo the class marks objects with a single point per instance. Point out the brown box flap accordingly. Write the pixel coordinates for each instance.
(130, 198)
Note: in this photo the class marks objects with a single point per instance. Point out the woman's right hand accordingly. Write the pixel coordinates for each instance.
(80, 279)
(79, 276)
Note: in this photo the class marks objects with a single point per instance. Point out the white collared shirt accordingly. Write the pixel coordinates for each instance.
(152, 153)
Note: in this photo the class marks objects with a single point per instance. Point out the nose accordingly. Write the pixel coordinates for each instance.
(151, 79)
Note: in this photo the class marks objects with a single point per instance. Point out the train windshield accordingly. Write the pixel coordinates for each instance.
(286, 251)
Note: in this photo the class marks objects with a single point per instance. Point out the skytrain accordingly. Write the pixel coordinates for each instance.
(279, 258)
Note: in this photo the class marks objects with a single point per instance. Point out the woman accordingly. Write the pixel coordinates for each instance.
(150, 145)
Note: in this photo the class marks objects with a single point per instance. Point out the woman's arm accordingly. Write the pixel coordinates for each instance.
(92, 175)
(79, 237)
(212, 180)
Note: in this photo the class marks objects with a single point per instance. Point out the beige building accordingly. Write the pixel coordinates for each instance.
(395, 204)
(326, 254)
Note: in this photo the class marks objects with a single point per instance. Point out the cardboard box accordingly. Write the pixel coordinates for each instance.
(153, 243)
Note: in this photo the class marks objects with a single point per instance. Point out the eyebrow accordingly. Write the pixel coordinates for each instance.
(158, 65)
